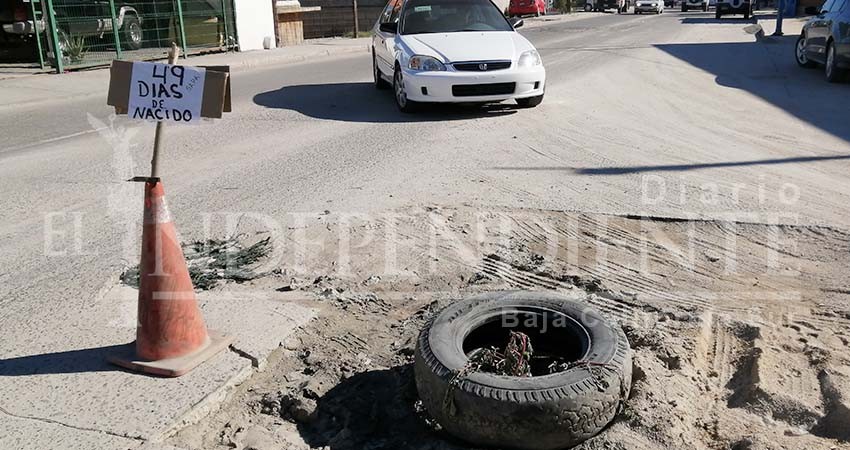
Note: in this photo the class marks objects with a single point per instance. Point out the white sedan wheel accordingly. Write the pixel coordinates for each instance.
(398, 86)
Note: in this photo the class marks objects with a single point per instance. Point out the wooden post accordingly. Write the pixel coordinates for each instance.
(172, 59)
(277, 37)
(356, 21)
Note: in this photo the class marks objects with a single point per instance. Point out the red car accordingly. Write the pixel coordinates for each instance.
(526, 7)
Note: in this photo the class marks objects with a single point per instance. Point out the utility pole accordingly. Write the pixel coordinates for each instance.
(356, 21)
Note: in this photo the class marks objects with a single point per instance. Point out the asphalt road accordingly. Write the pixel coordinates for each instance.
(641, 114)
(672, 115)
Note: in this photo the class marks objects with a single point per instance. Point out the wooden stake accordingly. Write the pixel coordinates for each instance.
(172, 59)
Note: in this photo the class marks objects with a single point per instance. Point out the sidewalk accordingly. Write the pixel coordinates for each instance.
(17, 90)
(553, 18)
(65, 395)
(790, 26)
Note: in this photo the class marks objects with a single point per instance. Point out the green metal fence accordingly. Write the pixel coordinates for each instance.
(85, 33)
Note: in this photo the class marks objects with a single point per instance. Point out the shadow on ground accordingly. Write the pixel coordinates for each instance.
(736, 20)
(73, 361)
(625, 170)
(373, 410)
(771, 73)
(361, 102)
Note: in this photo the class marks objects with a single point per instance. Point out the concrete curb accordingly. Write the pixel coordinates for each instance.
(792, 25)
(273, 59)
(536, 22)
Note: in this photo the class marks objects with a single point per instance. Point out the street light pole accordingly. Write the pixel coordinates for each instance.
(356, 21)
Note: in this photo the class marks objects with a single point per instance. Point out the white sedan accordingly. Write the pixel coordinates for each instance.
(454, 51)
(653, 6)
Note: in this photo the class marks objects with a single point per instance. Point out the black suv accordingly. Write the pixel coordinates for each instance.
(601, 5)
(825, 39)
(725, 7)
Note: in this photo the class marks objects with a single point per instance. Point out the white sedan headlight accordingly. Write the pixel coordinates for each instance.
(426, 64)
(530, 59)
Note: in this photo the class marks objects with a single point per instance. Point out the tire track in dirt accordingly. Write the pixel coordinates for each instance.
(527, 280)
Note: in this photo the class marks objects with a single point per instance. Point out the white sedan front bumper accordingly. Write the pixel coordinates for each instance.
(454, 86)
(647, 8)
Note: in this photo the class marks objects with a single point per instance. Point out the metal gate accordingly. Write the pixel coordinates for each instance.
(83, 33)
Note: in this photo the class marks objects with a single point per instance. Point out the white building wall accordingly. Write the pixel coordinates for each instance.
(254, 22)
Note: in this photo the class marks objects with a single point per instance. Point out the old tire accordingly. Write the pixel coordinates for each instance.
(540, 412)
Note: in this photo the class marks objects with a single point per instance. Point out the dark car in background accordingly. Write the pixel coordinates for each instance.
(517, 8)
(602, 5)
(688, 5)
(726, 7)
(86, 18)
(16, 24)
(74, 19)
(825, 40)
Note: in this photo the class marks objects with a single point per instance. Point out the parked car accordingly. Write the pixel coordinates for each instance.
(74, 18)
(602, 5)
(669, 3)
(454, 51)
(527, 7)
(688, 5)
(726, 7)
(825, 40)
(16, 24)
(89, 18)
(653, 6)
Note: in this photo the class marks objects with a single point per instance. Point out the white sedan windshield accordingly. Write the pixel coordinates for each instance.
(451, 16)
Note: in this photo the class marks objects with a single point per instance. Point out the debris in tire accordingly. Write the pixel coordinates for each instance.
(545, 410)
(513, 361)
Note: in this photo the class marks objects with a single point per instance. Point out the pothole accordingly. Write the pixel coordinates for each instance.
(214, 261)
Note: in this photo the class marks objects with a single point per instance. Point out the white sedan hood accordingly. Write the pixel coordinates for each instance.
(468, 45)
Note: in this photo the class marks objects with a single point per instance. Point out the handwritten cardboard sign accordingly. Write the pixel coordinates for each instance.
(166, 93)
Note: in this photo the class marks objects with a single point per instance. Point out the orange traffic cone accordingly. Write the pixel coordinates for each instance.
(171, 337)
